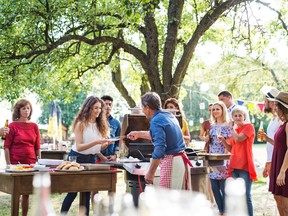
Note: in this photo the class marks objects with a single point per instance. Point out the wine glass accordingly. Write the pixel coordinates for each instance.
(218, 131)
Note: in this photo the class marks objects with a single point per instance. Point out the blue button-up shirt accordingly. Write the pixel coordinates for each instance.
(115, 130)
(166, 134)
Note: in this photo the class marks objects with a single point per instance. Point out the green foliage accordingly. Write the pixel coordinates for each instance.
(58, 49)
(69, 110)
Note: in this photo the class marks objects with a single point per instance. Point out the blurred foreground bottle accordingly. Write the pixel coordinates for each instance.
(127, 207)
(155, 201)
(41, 205)
(114, 206)
(260, 134)
(235, 203)
(5, 126)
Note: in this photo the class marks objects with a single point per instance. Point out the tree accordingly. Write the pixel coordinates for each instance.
(66, 43)
(68, 110)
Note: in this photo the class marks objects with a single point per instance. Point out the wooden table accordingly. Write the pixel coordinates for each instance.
(54, 154)
(61, 182)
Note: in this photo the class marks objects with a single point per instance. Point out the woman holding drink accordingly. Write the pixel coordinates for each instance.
(219, 127)
(22, 144)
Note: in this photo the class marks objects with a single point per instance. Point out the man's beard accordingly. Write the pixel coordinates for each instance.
(268, 110)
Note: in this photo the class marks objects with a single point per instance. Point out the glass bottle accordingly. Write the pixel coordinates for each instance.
(260, 134)
(41, 205)
(5, 126)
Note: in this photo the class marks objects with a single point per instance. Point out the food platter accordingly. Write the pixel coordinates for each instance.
(61, 170)
(89, 166)
(20, 171)
(20, 168)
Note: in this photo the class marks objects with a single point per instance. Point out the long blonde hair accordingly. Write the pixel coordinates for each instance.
(84, 114)
(225, 117)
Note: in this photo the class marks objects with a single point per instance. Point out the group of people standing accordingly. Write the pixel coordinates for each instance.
(92, 126)
(228, 131)
(236, 136)
(277, 169)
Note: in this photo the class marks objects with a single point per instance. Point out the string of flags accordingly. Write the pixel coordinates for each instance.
(251, 105)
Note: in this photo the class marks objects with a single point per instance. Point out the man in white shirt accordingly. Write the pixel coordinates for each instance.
(227, 98)
(269, 107)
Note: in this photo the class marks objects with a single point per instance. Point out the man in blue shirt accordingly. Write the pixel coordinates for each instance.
(111, 151)
(169, 146)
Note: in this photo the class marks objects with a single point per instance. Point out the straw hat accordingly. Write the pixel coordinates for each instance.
(282, 98)
(270, 92)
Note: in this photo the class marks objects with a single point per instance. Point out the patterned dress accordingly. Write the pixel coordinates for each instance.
(218, 147)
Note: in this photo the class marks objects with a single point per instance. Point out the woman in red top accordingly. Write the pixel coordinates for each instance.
(240, 146)
(22, 144)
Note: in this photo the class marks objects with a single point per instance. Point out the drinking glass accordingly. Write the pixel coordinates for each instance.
(72, 158)
(218, 131)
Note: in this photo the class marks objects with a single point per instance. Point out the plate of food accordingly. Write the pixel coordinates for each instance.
(69, 170)
(20, 168)
(67, 166)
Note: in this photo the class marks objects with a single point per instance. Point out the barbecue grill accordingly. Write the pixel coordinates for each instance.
(140, 148)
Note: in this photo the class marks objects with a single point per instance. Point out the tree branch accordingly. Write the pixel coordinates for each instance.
(276, 11)
(207, 21)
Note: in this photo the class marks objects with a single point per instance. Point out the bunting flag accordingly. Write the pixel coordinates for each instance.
(261, 106)
(250, 104)
(240, 102)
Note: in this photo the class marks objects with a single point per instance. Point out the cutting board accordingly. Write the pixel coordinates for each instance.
(90, 166)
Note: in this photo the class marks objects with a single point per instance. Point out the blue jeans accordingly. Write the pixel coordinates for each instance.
(81, 158)
(248, 183)
(218, 188)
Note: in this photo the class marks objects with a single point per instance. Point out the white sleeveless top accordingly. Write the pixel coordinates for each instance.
(90, 133)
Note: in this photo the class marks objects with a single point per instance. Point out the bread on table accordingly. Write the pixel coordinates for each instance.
(67, 165)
